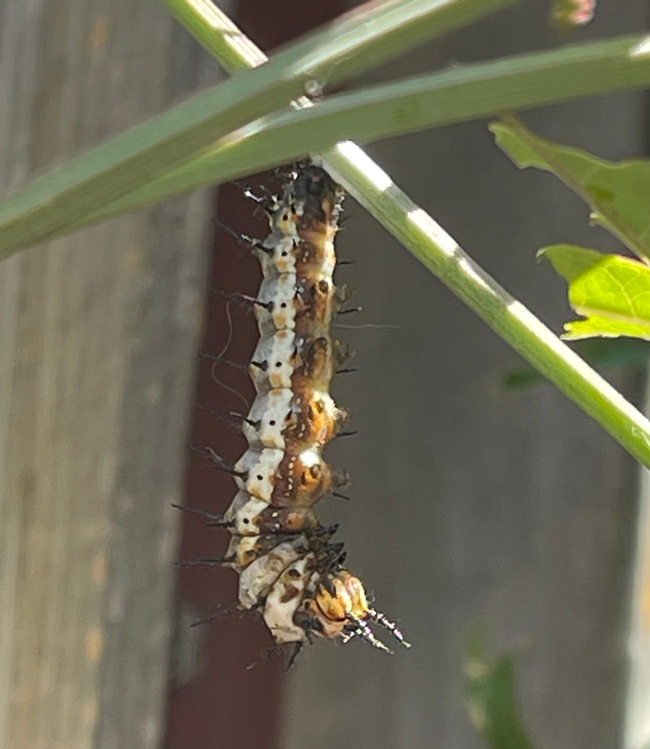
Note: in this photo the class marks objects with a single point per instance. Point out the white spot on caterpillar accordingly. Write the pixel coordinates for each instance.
(270, 410)
(283, 601)
(276, 352)
(280, 291)
(260, 467)
(244, 512)
(256, 580)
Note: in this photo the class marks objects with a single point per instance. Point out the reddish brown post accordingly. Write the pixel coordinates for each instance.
(215, 701)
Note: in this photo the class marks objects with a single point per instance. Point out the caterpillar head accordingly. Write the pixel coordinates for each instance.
(339, 608)
(316, 195)
(339, 599)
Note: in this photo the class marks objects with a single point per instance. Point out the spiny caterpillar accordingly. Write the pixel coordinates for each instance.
(289, 568)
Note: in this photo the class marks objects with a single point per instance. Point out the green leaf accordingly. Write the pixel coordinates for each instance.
(430, 244)
(491, 701)
(156, 161)
(569, 261)
(453, 95)
(62, 198)
(618, 192)
(611, 291)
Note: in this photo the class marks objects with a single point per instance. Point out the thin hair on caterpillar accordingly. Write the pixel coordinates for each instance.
(290, 569)
(220, 358)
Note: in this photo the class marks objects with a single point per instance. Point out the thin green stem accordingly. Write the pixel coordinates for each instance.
(359, 40)
(217, 34)
(433, 247)
(372, 34)
(440, 99)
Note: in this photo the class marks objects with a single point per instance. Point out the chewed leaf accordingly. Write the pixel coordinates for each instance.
(611, 291)
(491, 701)
(618, 193)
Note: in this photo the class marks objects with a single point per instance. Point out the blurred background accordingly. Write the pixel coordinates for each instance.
(474, 504)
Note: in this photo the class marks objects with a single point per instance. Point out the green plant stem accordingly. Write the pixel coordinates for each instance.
(217, 34)
(359, 40)
(440, 99)
(433, 247)
(374, 33)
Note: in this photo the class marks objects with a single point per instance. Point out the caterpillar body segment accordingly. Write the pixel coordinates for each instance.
(281, 417)
(249, 516)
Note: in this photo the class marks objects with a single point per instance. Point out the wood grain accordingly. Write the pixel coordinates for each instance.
(98, 334)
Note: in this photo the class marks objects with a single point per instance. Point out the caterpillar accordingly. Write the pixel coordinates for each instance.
(290, 569)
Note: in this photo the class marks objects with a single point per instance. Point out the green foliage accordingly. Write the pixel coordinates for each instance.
(618, 193)
(491, 700)
(440, 98)
(611, 291)
(181, 150)
(61, 200)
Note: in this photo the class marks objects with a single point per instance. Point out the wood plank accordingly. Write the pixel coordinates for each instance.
(98, 335)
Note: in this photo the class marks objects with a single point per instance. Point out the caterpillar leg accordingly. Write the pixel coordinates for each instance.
(223, 613)
(243, 300)
(243, 239)
(214, 519)
(219, 462)
(233, 419)
(206, 562)
(297, 647)
(267, 201)
(223, 360)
